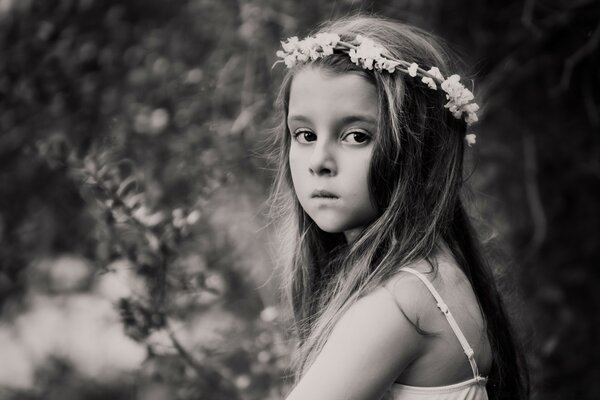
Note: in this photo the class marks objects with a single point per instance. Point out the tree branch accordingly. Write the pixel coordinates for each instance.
(527, 17)
(538, 214)
(576, 57)
(211, 375)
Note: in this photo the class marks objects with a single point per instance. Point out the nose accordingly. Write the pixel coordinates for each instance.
(322, 160)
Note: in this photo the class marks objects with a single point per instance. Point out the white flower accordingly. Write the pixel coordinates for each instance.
(471, 118)
(456, 112)
(452, 80)
(367, 53)
(368, 63)
(388, 65)
(470, 138)
(308, 49)
(290, 61)
(291, 45)
(458, 99)
(302, 55)
(327, 41)
(412, 70)
(353, 56)
(436, 73)
(291, 51)
(430, 81)
(427, 80)
(361, 39)
(456, 92)
(471, 110)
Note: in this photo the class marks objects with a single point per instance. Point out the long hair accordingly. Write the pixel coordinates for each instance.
(415, 181)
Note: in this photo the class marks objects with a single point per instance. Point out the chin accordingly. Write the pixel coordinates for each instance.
(334, 226)
(328, 225)
(336, 223)
(330, 229)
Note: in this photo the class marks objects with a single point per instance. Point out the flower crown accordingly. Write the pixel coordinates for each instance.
(368, 55)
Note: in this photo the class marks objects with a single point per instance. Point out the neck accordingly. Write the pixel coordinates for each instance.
(352, 234)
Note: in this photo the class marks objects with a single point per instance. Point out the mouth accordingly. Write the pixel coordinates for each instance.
(323, 194)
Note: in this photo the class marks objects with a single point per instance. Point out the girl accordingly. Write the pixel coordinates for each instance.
(390, 295)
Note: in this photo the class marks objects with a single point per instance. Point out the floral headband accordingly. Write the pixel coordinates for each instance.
(368, 55)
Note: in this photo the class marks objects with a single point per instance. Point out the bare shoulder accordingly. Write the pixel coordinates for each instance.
(379, 308)
(417, 302)
(370, 346)
(411, 295)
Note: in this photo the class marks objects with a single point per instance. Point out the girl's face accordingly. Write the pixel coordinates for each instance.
(332, 119)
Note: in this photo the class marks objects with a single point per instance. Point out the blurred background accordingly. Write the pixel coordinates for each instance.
(135, 250)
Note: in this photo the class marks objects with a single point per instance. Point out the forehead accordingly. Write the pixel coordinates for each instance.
(314, 91)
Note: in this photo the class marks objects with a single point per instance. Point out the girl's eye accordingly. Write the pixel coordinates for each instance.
(304, 137)
(357, 137)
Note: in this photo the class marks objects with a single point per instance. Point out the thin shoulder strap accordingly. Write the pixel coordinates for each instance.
(455, 328)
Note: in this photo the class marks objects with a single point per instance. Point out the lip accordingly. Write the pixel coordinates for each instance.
(323, 194)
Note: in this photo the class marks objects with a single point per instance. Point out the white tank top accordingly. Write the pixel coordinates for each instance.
(472, 389)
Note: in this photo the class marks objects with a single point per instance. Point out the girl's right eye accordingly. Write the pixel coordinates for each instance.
(304, 137)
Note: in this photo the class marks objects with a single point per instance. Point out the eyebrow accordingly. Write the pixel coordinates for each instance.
(345, 120)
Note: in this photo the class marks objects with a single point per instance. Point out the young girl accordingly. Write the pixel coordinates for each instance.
(390, 295)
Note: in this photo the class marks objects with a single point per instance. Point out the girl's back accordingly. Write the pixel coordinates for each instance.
(442, 360)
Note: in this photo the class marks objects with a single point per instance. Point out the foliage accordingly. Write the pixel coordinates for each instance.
(110, 126)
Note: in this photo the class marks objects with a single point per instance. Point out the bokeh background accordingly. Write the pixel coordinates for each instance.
(135, 251)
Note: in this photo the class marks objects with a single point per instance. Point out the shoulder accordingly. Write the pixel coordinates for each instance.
(410, 294)
(383, 307)
(376, 322)
(398, 306)
(369, 347)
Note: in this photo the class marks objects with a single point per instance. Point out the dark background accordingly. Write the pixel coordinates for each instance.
(134, 246)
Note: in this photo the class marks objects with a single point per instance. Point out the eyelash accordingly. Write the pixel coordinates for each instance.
(367, 136)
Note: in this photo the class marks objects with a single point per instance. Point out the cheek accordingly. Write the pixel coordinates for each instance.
(296, 163)
(293, 157)
(358, 168)
(358, 180)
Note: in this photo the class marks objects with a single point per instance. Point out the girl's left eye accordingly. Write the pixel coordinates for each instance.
(357, 137)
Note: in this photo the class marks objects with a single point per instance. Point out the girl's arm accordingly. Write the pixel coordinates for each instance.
(369, 347)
